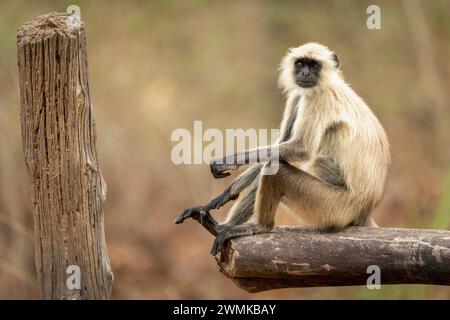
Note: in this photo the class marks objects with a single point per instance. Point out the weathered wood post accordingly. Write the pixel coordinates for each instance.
(59, 143)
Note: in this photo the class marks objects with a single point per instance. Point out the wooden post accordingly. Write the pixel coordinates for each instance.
(59, 143)
(295, 257)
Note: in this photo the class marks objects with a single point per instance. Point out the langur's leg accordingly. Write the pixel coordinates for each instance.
(302, 191)
(201, 213)
(241, 211)
(267, 197)
(243, 208)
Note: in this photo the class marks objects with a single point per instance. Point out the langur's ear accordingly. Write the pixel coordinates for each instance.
(336, 60)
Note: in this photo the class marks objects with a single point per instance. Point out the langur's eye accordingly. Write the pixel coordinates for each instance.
(299, 64)
(316, 66)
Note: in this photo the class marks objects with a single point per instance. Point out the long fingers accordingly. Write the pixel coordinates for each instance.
(188, 213)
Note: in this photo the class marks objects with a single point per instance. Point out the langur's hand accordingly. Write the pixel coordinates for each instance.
(221, 170)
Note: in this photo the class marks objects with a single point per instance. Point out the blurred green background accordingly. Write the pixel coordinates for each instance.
(159, 65)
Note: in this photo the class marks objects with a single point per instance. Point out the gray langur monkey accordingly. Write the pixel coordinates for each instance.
(333, 157)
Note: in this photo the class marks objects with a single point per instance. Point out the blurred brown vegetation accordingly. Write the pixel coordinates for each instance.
(159, 65)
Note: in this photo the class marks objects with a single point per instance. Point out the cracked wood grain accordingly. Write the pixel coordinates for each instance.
(59, 144)
(296, 257)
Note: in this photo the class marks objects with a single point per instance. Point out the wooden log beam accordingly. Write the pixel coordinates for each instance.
(295, 257)
(59, 143)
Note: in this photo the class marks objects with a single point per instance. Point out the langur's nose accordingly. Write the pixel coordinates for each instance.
(305, 74)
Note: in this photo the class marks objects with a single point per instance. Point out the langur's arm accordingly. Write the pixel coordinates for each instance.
(291, 150)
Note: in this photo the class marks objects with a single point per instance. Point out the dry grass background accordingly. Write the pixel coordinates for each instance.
(160, 65)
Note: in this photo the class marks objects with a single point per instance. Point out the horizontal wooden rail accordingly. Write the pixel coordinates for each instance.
(297, 257)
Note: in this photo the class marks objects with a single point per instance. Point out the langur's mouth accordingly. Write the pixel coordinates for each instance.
(306, 84)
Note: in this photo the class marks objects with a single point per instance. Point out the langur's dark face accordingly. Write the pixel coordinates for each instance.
(307, 72)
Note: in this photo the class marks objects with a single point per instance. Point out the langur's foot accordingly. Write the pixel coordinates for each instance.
(202, 216)
(229, 232)
(193, 213)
